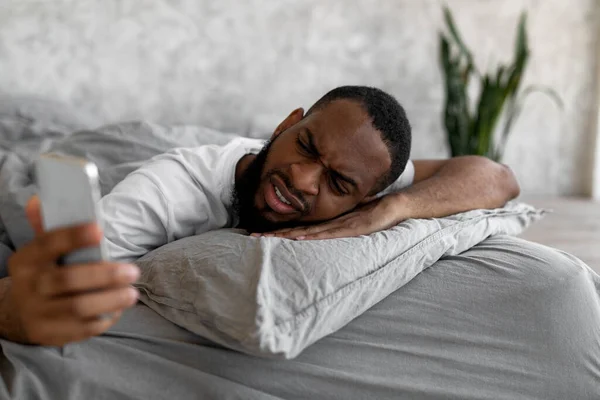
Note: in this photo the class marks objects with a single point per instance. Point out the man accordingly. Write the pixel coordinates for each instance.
(333, 172)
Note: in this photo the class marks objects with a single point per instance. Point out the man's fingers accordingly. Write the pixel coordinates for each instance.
(34, 215)
(296, 229)
(49, 246)
(335, 233)
(58, 332)
(86, 277)
(277, 232)
(94, 304)
(305, 230)
(298, 233)
(285, 230)
(97, 325)
(308, 230)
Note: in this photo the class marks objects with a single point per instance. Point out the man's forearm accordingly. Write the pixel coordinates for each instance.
(10, 326)
(465, 183)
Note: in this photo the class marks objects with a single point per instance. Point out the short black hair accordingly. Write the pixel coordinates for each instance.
(387, 116)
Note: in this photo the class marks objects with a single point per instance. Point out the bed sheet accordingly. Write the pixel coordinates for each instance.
(506, 319)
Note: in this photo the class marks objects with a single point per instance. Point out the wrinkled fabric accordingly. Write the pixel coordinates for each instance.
(274, 297)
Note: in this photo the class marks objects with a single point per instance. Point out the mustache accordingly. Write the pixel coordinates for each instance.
(306, 207)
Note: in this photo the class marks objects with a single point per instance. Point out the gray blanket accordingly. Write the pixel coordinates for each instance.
(507, 319)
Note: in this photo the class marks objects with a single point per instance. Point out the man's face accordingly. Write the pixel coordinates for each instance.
(314, 169)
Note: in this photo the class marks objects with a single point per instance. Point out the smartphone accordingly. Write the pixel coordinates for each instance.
(69, 192)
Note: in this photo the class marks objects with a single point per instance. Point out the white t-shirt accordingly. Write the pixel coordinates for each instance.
(184, 192)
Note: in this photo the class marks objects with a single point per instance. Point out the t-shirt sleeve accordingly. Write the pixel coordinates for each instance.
(172, 196)
(404, 180)
(135, 218)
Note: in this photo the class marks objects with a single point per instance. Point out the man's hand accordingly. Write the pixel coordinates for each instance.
(377, 215)
(56, 305)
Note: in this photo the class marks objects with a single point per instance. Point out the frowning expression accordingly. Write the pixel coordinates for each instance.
(319, 166)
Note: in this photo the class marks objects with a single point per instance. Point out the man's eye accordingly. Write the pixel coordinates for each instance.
(336, 186)
(304, 148)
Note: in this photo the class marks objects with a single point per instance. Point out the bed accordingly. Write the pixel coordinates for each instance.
(428, 340)
(504, 319)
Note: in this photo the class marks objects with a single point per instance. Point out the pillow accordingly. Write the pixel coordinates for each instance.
(274, 297)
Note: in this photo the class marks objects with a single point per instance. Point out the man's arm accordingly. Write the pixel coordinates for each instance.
(440, 188)
(445, 187)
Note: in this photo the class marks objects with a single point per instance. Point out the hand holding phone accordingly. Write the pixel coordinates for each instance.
(56, 305)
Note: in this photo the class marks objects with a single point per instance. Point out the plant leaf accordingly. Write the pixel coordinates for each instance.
(551, 93)
(456, 113)
(511, 87)
(520, 60)
(500, 75)
(521, 47)
(458, 40)
(489, 109)
(515, 108)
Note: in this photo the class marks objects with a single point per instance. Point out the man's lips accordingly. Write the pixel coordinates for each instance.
(283, 189)
(275, 203)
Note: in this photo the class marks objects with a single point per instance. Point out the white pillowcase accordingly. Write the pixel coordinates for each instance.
(274, 297)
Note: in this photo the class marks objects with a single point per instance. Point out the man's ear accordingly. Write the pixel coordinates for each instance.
(291, 120)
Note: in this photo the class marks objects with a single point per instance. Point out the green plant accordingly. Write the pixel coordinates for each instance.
(472, 132)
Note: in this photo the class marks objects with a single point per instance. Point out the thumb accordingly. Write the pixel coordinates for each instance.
(33, 212)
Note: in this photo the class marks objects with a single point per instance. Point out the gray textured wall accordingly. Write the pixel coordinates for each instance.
(243, 65)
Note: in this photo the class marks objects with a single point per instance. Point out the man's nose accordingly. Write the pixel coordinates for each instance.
(306, 177)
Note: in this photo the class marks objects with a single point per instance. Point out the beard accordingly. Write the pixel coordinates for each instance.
(244, 194)
(243, 198)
